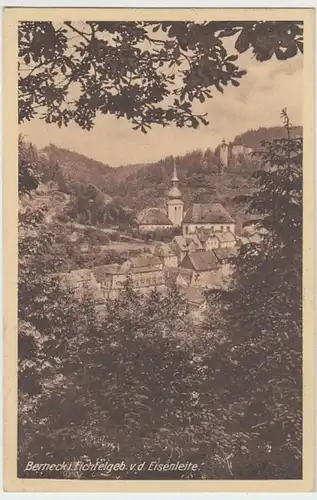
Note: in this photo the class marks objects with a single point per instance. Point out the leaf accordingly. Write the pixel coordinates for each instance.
(204, 121)
(291, 51)
(243, 42)
(232, 58)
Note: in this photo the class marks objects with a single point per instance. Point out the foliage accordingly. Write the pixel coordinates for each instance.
(28, 177)
(254, 138)
(263, 357)
(78, 168)
(147, 72)
(165, 235)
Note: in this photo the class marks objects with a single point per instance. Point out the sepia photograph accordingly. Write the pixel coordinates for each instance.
(160, 218)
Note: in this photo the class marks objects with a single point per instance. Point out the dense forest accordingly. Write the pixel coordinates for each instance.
(134, 384)
(253, 138)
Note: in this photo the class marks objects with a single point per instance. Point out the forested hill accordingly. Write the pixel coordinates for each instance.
(137, 184)
(252, 138)
(198, 173)
(78, 167)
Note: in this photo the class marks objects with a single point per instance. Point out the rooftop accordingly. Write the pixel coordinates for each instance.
(171, 274)
(225, 253)
(145, 261)
(174, 192)
(103, 272)
(214, 213)
(154, 216)
(163, 250)
(203, 261)
(185, 241)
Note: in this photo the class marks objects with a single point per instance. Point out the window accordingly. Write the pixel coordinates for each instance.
(228, 228)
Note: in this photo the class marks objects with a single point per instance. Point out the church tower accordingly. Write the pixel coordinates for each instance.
(223, 155)
(175, 205)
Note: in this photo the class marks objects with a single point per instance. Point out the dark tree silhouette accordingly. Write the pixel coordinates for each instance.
(147, 72)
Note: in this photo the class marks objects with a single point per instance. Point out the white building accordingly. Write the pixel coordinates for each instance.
(209, 216)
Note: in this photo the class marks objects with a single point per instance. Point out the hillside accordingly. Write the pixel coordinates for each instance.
(78, 167)
(81, 168)
(252, 138)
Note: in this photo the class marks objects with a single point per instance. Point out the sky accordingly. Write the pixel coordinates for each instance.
(264, 91)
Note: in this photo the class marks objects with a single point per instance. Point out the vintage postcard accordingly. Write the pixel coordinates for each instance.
(159, 249)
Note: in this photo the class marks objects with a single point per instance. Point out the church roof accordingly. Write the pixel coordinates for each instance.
(154, 216)
(174, 192)
(201, 213)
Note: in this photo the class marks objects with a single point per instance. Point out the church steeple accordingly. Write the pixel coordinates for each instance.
(174, 203)
(175, 178)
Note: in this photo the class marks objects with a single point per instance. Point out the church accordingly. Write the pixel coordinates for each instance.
(200, 216)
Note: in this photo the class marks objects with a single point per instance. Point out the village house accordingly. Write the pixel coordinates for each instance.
(183, 245)
(178, 276)
(151, 219)
(225, 257)
(208, 240)
(146, 272)
(212, 240)
(204, 265)
(211, 268)
(226, 239)
(111, 279)
(167, 256)
(211, 216)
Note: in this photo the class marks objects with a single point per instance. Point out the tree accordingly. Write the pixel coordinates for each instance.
(29, 177)
(263, 355)
(147, 72)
